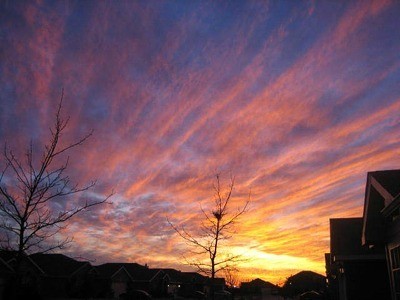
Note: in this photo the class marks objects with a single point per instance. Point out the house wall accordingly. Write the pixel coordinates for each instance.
(119, 288)
(393, 255)
(393, 258)
(367, 280)
(53, 287)
(190, 289)
(159, 285)
(141, 285)
(83, 283)
(119, 283)
(173, 288)
(6, 280)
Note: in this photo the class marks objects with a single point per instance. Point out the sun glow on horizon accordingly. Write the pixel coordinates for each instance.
(297, 99)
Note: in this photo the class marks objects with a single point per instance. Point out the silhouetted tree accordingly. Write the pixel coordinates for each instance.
(218, 225)
(29, 186)
(231, 277)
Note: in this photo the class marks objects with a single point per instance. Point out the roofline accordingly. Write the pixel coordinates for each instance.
(345, 218)
(7, 265)
(391, 202)
(392, 206)
(130, 276)
(381, 190)
(36, 265)
(155, 275)
(366, 204)
(166, 275)
(126, 271)
(84, 263)
(359, 257)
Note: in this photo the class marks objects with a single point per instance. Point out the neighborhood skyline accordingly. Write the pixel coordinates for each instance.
(297, 100)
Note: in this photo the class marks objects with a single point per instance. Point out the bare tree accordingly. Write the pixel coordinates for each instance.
(30, 186)
(218, 225)
(231, 277)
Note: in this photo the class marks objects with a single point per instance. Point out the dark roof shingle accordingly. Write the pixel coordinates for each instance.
(136, 271)
(57, 265)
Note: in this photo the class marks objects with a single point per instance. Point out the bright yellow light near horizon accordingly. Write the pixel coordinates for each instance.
(256, 258)
(268, 265)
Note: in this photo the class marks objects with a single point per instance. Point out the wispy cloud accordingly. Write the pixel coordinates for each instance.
(297, 100)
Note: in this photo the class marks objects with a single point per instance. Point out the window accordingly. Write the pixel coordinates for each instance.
(395, 215)
(395, 265)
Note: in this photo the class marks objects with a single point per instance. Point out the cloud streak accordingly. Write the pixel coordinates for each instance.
(299, 101)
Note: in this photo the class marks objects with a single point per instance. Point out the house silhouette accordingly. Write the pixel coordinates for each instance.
(364, 259)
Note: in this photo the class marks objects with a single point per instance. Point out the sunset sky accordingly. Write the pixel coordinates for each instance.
(296, 99)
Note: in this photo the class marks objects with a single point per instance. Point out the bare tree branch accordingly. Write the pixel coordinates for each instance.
(216, 227)
(231, 277)
(29, 187)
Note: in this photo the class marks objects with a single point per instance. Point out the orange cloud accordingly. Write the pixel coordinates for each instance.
(175, 98)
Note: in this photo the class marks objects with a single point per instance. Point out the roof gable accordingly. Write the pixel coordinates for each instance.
(136, 272)
(57, 265)
(109, 269)
(5, 267)
(139, 272)
(388, 180)
(9, 258)
(258, 283)
(308, 276)
(183, 277)
(382, 187)
(8, 255)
